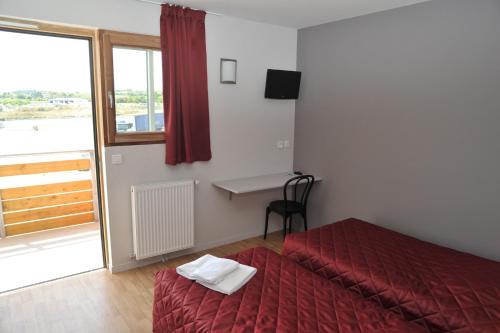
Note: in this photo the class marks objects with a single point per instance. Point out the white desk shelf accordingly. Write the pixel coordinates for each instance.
(254, 184)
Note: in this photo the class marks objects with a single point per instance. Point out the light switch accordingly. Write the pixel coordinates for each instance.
(286, 144)
(280, 144)
(116, 159)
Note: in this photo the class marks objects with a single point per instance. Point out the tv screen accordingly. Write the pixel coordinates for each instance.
(282, 84)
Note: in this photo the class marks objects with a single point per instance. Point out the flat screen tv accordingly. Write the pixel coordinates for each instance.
(282, 84)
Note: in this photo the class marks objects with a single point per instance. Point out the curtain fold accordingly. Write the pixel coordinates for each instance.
(185, 87)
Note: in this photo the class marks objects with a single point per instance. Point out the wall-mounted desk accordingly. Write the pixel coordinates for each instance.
(254, 184)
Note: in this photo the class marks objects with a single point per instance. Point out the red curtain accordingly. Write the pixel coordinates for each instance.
(185, 88)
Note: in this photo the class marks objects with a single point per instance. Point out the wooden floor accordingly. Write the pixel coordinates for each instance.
(99, 301)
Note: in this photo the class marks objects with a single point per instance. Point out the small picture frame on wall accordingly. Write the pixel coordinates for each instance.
(228, 68)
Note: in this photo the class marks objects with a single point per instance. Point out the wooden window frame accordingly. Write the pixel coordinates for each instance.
(109, 39)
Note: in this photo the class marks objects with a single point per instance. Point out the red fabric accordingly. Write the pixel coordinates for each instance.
(281, 297)
(442, 289)
(185, 90)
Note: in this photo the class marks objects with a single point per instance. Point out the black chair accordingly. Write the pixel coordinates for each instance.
(287, 208)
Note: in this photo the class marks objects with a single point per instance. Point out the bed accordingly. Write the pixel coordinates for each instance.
(282, 297)
(441, 289)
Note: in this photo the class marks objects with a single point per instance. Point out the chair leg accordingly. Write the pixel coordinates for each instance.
(305, 221)
(268, 211)
(284, 226)
(290, 225)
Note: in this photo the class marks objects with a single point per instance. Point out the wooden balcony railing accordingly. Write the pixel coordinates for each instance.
(48, 205)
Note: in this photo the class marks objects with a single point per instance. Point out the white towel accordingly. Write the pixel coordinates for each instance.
(233, 281)
(227, 281)
(208, 269)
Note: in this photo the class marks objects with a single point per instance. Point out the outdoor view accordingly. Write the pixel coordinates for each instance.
(49, 208)
(45, 93)
(138, 90)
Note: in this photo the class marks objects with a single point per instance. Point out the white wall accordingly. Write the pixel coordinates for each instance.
(121, 15)
(244, 125)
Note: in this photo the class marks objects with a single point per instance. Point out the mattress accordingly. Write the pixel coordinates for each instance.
(441, 289)
(282, 297)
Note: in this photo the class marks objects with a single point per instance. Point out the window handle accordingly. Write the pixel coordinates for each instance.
(111, 100)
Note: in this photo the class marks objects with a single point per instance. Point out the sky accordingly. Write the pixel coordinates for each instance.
(37, 62)
(130, 69)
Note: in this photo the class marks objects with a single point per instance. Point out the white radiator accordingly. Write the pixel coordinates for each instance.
(162, 218)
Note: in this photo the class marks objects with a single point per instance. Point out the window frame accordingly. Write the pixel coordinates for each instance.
(109, 39)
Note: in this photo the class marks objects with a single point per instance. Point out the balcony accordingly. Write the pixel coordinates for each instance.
(49, 221)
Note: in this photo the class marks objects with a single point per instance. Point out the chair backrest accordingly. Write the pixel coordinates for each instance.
(303, 192)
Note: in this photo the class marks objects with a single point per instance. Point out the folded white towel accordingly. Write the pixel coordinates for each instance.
(228, 276)
(208, 269)
(215, 270)
(233, 281)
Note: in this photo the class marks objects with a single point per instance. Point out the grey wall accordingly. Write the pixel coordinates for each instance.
(400, 114)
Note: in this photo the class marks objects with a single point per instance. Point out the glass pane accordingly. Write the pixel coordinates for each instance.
(158, 89)
(131, 76)
(45, 94)
(131, 86)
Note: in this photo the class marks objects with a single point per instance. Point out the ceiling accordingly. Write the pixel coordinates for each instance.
(294, 13)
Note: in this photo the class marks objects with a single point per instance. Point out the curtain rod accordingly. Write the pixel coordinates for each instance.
(165, 3)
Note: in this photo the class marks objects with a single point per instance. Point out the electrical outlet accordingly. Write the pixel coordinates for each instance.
(286, 144)
(280, 144)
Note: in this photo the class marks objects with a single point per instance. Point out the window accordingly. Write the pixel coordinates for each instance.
(132, 88)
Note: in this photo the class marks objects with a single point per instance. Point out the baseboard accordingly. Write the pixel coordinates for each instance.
(134, 264)
(200, 247)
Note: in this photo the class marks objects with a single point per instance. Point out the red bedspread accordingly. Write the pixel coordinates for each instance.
(442, 289)
(281, 297)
